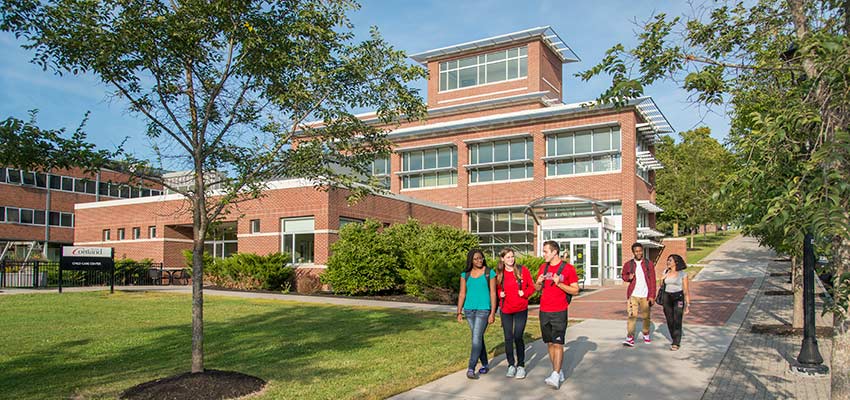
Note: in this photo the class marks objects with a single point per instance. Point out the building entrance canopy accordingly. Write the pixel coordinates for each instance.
(551, 207)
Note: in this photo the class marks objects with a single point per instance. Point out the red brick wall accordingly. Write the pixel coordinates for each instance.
(671, 246)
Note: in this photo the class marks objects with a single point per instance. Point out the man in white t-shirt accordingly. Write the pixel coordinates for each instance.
(640, 273)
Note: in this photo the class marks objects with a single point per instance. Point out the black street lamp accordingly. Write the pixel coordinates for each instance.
(809, 360)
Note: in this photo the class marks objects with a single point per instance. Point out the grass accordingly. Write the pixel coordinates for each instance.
(703, 246)
(95, 345)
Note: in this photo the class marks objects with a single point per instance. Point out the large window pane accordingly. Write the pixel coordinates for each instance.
(513, 69)
(473, 222)
(468, 77)
(53, 218)
(299, 225)
(451, 82)
(615, 139)
(415, 181)
(602, 163)
(500, 151)
(485, 222)
(523, 66)
(517, 149)
(67, 183)
(473, 154)
(496, 72)
(415, 161)
(39, 217)
(26, 216)
(565, 145)
(502, 221)
(66, 220)
(28, 178)
(430, 159)
(429, 180)
(445, 158)
(601, 140)
(517, 171)
(41, 180)
(14, 175)
(444, 178)
(517, 221)
(501, 173)
(583, 142)
(565, 168)
(583, 165)
(485, 175)
(485, 153)
(55, 182)
(13, 214)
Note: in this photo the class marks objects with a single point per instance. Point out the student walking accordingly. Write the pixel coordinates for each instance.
(640, 274)
(515, 286)
(558, 281)
(677, 297)
(477, 301)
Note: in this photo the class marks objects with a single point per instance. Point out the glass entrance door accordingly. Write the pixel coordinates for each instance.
(578, 252)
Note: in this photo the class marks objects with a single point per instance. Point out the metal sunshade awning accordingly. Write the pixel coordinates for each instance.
(549, 207)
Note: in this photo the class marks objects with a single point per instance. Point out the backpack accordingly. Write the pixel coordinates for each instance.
(561, 269)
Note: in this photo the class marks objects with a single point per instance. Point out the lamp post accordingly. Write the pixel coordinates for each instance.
(809, 360)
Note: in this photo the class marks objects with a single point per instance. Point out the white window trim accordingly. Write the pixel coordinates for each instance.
(501, 182)
(617, 171)
(429, 188)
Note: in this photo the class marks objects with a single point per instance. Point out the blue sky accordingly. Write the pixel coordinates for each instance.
(589, 28)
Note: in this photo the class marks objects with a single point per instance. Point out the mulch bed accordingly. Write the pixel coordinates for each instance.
(778, 293)
(210, 384)
(788, 330)
(780, 274)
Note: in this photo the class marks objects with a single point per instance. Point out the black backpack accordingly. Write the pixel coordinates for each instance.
(561, 269)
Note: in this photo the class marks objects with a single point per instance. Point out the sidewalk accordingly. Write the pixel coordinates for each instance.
(599, 367)
(757, 365)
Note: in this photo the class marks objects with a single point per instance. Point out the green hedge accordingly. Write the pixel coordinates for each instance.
(247, 271)
(423, 261)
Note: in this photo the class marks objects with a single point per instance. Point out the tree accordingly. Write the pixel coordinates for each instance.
(226, 88)
(694, 170)
(25, 146)
(783, 68)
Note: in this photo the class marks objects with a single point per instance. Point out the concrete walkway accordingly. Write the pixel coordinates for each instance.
(599, 367)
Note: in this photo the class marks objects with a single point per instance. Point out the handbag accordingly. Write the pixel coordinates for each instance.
(659, 297)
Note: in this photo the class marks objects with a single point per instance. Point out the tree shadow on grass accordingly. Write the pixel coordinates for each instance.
(276, 345)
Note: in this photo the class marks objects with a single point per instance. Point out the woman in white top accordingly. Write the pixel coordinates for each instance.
(677, 297)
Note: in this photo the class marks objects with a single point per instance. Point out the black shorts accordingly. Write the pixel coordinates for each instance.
(553, 326)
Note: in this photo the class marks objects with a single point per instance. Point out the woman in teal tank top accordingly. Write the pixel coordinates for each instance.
(477, 301)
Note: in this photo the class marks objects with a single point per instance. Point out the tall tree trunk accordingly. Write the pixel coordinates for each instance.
(840, 358)
(199, 222)
(797, 288)
(692, 238)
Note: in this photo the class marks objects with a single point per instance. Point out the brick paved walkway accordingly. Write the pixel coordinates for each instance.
(756, 365)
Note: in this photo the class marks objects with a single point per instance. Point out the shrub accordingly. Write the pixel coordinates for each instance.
(131, 271)
(363, 261)
(248, 271)
(435, 260)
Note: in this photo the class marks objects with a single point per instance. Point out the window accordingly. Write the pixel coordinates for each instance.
(381, 170)
(492, 67)
(14, 175)
(28, 178)
(53, 218)
(67, 184)
(297, 238)
(55, 182)
(2, 214)
(642, 218)
(27, 216)
(41, 180)
(106, 235)
(66, 220)
(120, 233)
(503, 160)
(13, 214)
(429, 168)
(39, 217)
(497, 229)
(581, 152)
(255, 226)
(137, 232)
(2, 174)
(222, 240)
(343, 221)
(151, 232)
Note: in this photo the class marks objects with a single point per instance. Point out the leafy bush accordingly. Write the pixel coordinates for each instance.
(247, 271)
(129, 271)
(363, 261)
(433, 264)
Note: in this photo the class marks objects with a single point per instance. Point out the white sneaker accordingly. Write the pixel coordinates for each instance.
(553, 380)
(561, 377)
(511, 371)
(520, 372)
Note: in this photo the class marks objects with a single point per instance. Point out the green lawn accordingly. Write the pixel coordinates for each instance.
(705, 245)
(95, 345)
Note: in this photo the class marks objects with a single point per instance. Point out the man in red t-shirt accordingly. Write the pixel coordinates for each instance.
(553, 305)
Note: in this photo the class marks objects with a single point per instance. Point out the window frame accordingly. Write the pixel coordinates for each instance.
(478, 69)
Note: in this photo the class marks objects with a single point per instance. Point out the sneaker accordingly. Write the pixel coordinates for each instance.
(561, 377)
(484, 370)
(520, 372)
(646, 339)
(470, 374)
(511, 371)
(630, 341)
(553, 380)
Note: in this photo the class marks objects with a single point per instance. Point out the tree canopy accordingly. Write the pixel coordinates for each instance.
(783, 70)
(226, 88)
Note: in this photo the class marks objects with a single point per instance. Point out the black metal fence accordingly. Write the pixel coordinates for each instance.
(43, 274)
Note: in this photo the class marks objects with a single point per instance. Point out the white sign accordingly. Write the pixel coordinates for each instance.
(78, 251)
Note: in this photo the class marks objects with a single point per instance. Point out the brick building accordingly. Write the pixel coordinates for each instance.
(37, 209)
(500, 155)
